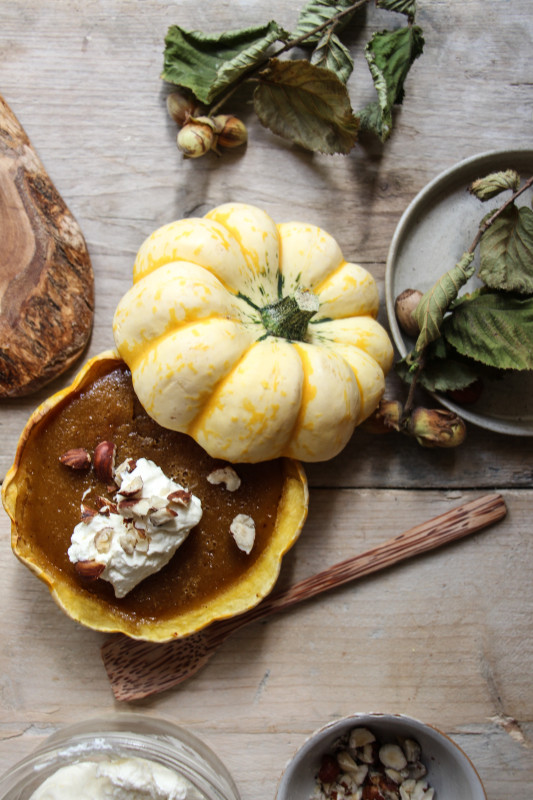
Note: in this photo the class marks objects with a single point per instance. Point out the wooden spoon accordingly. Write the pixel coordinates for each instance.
(46, 277)
(137, 669)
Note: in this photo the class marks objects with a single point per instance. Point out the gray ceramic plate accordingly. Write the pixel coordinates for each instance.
(433, 233)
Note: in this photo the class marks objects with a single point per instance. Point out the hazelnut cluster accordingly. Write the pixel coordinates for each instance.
(362, 768)
(200, 133)
(431, 427)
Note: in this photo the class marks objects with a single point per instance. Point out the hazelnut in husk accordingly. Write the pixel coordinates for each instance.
(435, 427)
(386, 418)
(197, 137)
(180, 107)
(232, 131)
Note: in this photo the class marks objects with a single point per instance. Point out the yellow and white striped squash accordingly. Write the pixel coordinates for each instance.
(258, 340)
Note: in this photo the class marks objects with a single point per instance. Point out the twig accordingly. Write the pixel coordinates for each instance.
(331, 21)
(287, 46)
(412, 386)
(492, 219)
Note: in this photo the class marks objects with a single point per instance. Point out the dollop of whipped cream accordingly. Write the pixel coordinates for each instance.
(138, 533)
(120, 779)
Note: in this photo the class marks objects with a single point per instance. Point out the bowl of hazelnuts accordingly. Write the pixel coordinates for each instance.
(380, 757)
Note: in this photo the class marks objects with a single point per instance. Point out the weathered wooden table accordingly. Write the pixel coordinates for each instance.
(446, 637)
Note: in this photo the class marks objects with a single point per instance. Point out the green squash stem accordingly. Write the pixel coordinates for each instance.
(289, 317)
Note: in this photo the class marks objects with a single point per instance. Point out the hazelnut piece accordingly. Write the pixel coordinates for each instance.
(412, 750)
(89, 569)
(87, 512)
(361, 736)
(102, 540)
(77, 458)
(227, 476)
(104, 461)
(243, 531)
(391, 755)
(180, 497)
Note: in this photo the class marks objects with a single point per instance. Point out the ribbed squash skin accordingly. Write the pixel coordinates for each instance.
(192, 330)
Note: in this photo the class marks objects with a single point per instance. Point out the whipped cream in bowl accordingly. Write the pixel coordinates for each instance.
(120, 757)
(116, 779)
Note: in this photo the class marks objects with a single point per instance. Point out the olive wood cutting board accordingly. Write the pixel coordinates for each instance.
(46, 276)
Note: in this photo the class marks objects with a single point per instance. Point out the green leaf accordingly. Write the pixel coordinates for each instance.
(318, 12)
(407, 7)
(493, 328)
(307, 104)
(371, 119)
(506, 251)
(390, 55)
(448, 375)
(443, 371)
(434, 304)
(495, 183)
(332, 54)
(207, 64)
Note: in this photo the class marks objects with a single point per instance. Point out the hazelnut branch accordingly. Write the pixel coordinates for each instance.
(417, 363)
(287, 46)
(490, 221)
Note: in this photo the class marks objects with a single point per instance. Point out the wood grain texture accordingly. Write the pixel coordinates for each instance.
(111, 146)
(46, 277)
(139, 669)
(446, 637)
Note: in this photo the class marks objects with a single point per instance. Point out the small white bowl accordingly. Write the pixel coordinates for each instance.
(449, 770)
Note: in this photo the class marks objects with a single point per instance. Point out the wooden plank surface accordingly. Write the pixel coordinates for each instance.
(446, 637)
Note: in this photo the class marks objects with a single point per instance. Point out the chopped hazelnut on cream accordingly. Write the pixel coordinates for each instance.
(138, 533)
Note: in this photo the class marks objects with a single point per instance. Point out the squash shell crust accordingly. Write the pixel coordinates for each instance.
(94, 613)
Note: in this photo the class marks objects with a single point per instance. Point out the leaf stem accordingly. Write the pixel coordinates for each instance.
(331, 21)
(412, 386)
(287, 46)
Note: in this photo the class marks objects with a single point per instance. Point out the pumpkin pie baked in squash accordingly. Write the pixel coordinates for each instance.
(134, 527)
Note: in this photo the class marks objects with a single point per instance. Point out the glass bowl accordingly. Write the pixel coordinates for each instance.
(123, 736)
